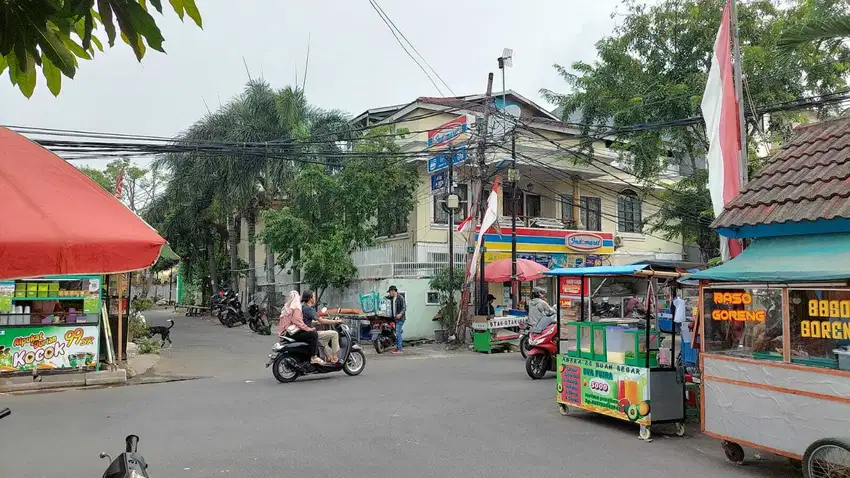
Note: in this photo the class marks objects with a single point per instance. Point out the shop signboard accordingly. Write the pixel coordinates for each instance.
(438, 181)
(571, 286)
(441, 162)
(584, 241)
(48, 347)
(619, 391)
(448, 132)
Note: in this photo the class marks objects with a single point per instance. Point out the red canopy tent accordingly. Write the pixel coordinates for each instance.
(54, 220)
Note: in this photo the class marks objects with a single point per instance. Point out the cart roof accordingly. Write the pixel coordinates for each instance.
(597, 271)
(815, 257)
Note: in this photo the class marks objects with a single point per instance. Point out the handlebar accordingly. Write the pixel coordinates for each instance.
(132, 442)
(5, 413)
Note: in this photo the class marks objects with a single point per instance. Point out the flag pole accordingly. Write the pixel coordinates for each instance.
(739, 93)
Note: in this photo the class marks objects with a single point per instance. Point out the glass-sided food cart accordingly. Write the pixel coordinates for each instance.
(611, 366)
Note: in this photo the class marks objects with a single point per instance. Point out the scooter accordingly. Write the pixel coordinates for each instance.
(383, 334)
(129, 464)
(291, 359)
(543, 342)
(257, 320)
(232, 310)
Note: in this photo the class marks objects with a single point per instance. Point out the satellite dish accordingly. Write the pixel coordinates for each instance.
(500, 125)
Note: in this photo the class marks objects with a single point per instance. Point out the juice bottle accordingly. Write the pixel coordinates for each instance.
(632, 391)
(621, 390)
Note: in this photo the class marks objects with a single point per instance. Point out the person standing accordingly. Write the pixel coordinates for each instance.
(680, 311)
(398, 309)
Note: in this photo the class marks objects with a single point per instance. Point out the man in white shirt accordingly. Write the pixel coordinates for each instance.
(680, 312)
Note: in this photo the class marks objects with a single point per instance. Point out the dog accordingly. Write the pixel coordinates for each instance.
(163, 332)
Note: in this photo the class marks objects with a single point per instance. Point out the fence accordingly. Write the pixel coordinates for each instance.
(405, 260)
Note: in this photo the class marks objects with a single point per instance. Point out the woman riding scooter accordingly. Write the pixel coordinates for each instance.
(538, 307)
(328, 339)
(292, 324)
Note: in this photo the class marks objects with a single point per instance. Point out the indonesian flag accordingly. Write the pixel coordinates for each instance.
(465, 225)
(720, 111)
(119, 184)
(491, 215)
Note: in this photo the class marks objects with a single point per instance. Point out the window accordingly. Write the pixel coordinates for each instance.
(507, 207)
(820, 323)
(532, 205)
(390, 224)
(629, 212)
(744, 322)
(441, 216)
(590, 209)
(432, 298)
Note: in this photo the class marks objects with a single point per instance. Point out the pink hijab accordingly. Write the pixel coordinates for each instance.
(292, 304)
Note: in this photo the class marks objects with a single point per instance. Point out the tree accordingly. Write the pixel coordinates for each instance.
(653, 69)
(332, 210)
(100, 177)
(447, 285)
(55, 34)
(826, 21)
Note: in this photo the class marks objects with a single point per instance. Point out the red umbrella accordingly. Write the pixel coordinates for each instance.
(54, 220)
(526, 270)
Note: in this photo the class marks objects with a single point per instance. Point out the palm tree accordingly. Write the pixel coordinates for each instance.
(827, 28)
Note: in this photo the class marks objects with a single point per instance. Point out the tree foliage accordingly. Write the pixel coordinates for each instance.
(332, 210)
(55, 34)
(653, 69)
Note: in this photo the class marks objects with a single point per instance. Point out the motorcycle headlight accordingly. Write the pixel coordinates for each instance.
(277, 347)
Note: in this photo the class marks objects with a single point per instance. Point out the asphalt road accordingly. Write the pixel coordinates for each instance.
(427, 413)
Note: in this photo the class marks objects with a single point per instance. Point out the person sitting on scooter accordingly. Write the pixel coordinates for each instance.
(538, 307)
(326, 337)
(292, 324)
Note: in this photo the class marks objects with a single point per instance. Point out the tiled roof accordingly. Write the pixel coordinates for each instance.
(809, 179)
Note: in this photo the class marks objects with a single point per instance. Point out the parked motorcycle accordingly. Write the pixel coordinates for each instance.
(543, 342)
(383, 333)
(217, 305)
(129, 464)
(257, 320)
(290, 359)
(233, 313)
(524, 347)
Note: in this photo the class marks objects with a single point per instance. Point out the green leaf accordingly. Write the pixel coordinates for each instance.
(89, 26)
(177, 5)
(104, 9)
(52, 46)
(97, 43)
(157, 4)
(143, 23)
(193, 12)
(76, 49)
(3, 64)
(26, 79)
(53, 76)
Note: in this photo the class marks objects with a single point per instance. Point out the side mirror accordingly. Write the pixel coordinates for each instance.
(324, 310)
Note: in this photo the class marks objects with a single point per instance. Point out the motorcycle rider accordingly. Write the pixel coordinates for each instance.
(326, 337)
(538, 307)
(292, 324)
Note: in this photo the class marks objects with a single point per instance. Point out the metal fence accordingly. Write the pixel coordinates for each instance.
(404, 260)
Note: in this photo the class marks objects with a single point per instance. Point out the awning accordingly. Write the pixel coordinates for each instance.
(54, 220)
(597, 271)
(815, 257)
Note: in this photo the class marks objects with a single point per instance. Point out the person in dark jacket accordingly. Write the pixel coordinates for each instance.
(398, 309)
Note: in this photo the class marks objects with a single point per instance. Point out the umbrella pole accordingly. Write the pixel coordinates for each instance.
(120, 348)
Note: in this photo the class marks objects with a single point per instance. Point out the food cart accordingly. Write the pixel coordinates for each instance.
(612, 366)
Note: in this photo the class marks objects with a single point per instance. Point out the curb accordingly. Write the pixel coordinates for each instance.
(70, 380)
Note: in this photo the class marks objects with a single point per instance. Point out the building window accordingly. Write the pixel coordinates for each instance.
(628, 212)
(441, 216)
(532, 205)
(590, 209)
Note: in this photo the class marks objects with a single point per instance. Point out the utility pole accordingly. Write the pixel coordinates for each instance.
(463, 313)
(482, 205)
(505, 61)
(739, 94)
(452, 203)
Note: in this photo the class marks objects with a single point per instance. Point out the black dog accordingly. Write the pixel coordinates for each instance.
(163, 332)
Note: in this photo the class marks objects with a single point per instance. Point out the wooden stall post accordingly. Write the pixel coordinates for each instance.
(120, 348)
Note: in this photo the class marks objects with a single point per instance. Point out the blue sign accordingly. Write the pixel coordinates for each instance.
(438, 181)
(439, 163)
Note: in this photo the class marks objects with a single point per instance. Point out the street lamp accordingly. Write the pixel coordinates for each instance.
(507, 61)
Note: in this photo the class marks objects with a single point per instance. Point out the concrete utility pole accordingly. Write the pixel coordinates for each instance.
(463, 314)
(482, 205)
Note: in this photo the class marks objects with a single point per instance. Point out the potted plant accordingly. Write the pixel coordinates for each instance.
(446, 285)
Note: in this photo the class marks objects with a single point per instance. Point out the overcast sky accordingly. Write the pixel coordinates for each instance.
(355, 63)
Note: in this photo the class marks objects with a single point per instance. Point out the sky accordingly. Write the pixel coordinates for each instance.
(355, 63)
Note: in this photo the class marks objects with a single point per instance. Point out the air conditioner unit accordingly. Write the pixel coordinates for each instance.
(618, 242)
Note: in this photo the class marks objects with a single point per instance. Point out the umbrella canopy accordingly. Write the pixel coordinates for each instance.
(56, 221)
(526, 270)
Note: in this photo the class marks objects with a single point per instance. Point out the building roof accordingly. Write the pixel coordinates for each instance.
(807, 180)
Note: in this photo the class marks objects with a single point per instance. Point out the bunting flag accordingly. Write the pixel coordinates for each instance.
(465, 225)
(720, 111)
(490, 218)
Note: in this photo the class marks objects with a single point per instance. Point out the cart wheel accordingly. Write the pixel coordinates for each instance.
(734, 452)
(645, 432)
(827, 458)
(563, 409)
(680, 429)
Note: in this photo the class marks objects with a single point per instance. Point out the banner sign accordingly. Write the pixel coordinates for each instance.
(48, 347)
(619, 391)
(447, 132)
(439, 163)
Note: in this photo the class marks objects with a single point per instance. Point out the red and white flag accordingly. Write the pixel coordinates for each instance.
(720, 111)
(119, 184)
(490, 218)
(465, 225)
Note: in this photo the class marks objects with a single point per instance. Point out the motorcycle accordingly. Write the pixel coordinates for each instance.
(604, 309)
(233, 313)
(524, 347)
(129, 464)
(543, 342)
(291, 359)
(383, 334)
(257, 320)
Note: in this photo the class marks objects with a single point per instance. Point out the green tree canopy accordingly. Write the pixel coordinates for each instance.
(54, 34)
